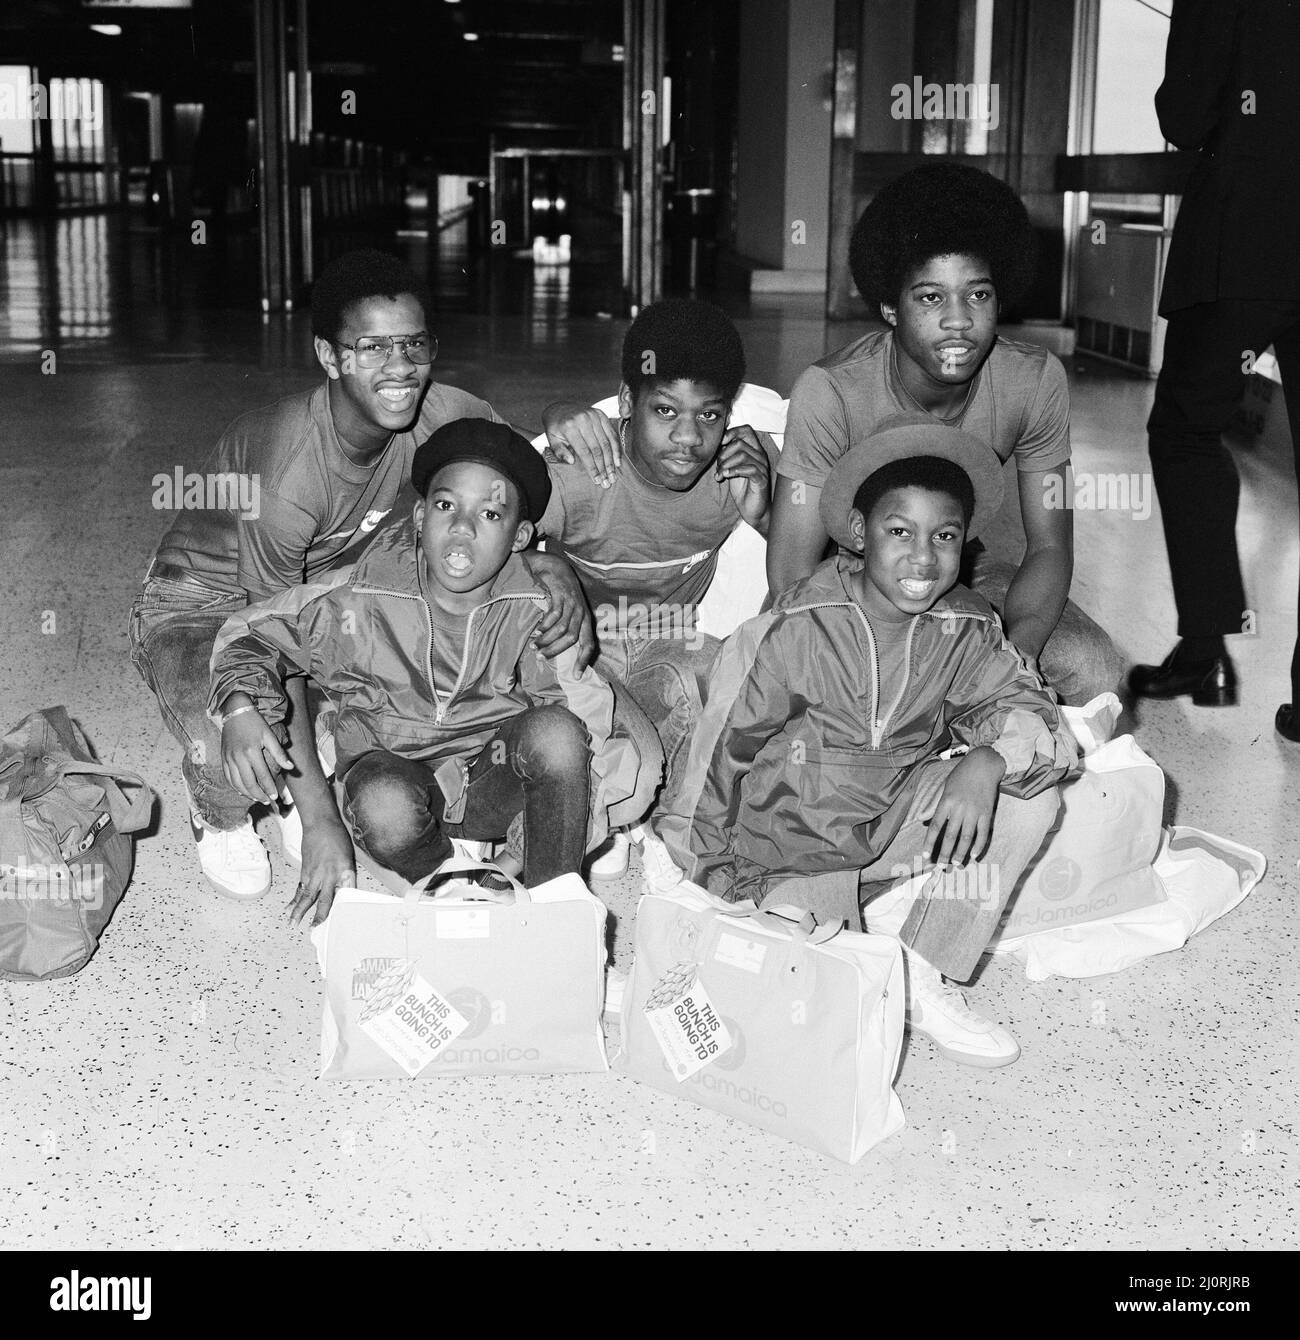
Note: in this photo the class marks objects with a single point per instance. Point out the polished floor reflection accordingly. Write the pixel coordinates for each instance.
(167, 1095)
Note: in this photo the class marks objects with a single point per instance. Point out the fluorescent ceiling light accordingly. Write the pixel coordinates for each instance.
(107, 29)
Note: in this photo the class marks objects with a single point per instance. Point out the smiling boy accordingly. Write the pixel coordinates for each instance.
(325, 467)
(937, 252)
(823, 763)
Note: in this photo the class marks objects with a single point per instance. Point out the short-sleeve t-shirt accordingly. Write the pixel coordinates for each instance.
(300, 506)
(1019, 404)
(636, 546)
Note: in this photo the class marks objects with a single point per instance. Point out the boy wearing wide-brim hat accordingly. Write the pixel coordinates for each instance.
(823, 760)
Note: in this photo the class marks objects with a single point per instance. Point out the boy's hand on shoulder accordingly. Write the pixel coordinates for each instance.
(567, 621)
(963, 818)
(743, 463)
(252, 756)
(579, 433)
(328, 864)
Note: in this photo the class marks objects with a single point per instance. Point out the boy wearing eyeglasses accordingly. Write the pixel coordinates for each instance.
(300, 487)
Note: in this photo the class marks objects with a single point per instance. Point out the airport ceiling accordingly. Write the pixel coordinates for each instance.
(535, 71)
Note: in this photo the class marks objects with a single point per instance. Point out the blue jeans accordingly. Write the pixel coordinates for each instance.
(173, 624)
(667, 679)
(1079, 660)
(538, 763)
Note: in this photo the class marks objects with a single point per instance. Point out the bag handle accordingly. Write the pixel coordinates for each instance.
(455, 865)
(800, 972)
(136, 813)
(806, 930)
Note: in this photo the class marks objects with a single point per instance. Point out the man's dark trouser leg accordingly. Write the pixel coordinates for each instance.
(1286, 345)
(1196, 479)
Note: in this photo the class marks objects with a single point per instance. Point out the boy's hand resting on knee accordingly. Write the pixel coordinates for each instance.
(328, 864)
(963, 818)
(251, 754)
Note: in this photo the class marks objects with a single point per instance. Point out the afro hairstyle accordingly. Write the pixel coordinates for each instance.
(932, 473)
(942, 209)
(682, 339)
(353, 277)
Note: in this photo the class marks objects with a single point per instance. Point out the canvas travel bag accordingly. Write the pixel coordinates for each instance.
(65, 847)
(463, 981)
(792, 1026)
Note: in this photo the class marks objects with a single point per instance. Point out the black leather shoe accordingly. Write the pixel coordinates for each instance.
(1287, 722)
(1211, 683)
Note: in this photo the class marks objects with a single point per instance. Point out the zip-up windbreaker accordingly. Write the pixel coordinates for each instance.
(366, 637)
(802, 760)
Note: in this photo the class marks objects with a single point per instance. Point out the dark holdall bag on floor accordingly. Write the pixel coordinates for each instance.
(65, 853)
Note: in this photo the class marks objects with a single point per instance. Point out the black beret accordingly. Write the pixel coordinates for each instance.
(495, 445)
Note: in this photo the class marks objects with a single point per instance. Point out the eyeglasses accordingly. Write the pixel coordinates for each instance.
(373, 351)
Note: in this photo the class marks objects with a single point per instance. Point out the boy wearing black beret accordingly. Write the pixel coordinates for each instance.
(450, 722)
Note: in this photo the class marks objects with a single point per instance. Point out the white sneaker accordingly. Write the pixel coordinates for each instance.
(234, 863)
(936, 1008)
(611, 860)
(615, 991)
(290, 822)
(659, 872)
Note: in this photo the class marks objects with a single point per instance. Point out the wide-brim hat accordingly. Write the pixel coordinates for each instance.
(495, 445)
(897, 439)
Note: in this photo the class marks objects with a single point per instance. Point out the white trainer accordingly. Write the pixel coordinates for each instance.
(659, 872)
(611, 860)
(235, 863)
(290, 822)
(939, 1010)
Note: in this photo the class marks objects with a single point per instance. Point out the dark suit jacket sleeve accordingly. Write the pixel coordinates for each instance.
(1198, 69)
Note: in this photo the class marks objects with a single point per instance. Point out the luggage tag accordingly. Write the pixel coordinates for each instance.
(738, 951)
(687, 1027)
(409, 1018)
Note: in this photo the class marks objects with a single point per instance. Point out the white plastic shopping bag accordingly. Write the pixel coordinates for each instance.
(464, 981)
(1097, 859)
(1203, 878)
(1194, 877)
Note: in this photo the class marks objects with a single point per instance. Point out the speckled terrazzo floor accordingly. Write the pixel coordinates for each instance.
(167, 1096)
